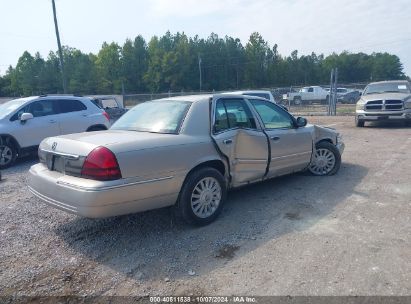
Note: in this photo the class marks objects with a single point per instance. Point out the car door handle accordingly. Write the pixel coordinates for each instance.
(84, 115)
(52, 121)
(275, 138)
(228, 141)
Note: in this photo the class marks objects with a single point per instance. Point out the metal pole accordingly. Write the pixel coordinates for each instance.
(59, 46)
(335, 94)
(199, 68)
(331, 93)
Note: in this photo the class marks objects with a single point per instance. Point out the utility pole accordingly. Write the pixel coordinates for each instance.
(63, 75)
(199, 68)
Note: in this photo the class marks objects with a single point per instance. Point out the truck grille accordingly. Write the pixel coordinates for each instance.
(384, 105)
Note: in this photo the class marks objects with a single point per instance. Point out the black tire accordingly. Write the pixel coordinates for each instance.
(8, 154)
(337, 158)
(359, 123)
(184, 204)
(297, 101)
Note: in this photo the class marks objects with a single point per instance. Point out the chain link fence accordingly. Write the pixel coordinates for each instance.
(347, 96)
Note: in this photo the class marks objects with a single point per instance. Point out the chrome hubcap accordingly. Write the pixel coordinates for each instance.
(206, 197)
(6, 155)
(323, 162)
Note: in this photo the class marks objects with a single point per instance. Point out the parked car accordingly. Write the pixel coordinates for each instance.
(111, 105)
(350, 97)
(25, 122)
(258, 93)
(308, 95)
(185, 151)
(279, 94)
(385, 100)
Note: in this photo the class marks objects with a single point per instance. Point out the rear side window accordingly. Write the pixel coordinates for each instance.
(70, 105)
(233, 113)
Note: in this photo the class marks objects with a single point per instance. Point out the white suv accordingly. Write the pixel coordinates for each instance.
(25, 122)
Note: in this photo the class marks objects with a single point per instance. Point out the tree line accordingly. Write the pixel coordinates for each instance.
(172, 62)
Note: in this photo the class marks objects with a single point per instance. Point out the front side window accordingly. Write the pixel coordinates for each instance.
(272, 116)
(41, 108)
(154, 116)
(70, 105)
(233, 113)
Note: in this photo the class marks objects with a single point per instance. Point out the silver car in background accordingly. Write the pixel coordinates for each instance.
(384, 100)
(25, 122)
(185, 151)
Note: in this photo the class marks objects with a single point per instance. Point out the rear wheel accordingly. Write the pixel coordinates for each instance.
(297, 101)
(202, 196)
(326, 159)
(8, 154)
(359, 123)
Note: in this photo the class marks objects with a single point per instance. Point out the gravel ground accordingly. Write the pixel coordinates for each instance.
(348, 234)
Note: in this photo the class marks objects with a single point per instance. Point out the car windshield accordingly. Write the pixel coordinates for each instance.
(394, 87)
(154, 116)
(262, 95)
(8, 107)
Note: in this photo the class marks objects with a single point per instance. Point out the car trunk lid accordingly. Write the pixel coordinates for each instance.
(67, 153)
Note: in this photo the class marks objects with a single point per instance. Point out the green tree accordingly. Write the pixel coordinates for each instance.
(108, 64)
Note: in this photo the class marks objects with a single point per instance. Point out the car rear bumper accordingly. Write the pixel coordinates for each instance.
(98, 199)
(386, 115)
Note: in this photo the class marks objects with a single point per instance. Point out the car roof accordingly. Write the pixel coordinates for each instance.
(391, 81)
(198, 98)
(25, 99)
(247, 91)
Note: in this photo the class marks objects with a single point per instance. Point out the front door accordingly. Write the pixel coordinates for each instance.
(291, 147)
(244, 144)
(45, 123)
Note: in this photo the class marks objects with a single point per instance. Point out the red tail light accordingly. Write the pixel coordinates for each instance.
(101, 164)
(106, 115)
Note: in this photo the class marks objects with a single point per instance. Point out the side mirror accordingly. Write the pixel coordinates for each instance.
(25, 116)
(301, 122)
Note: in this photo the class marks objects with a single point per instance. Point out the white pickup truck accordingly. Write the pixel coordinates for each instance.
(308, 95)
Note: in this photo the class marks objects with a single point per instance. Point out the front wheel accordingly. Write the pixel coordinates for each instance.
(326, 160)
(359, 123)
(202, 196)
(8, 155)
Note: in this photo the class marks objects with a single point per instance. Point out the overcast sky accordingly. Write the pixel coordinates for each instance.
(322, 26)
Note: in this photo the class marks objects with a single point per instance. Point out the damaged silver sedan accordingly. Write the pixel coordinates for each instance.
(185, 151)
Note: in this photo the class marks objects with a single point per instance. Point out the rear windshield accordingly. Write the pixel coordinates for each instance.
(387, 87)
(154, 116)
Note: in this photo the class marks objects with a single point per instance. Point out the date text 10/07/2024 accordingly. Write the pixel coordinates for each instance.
(203, 299)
